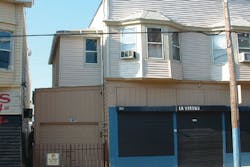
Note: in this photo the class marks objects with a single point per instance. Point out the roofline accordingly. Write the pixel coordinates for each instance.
(95, 13)
(174, 24)
(59, 34)
(26, 3)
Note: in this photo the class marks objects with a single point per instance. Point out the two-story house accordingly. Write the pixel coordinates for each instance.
(164, 72)
(14, 81)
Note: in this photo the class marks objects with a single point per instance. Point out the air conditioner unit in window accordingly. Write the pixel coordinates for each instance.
(244, 57)
(128, 54)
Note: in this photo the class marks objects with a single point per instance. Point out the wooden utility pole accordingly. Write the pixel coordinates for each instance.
(233, 89)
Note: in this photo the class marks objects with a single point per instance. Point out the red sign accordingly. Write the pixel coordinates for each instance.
(4, 99)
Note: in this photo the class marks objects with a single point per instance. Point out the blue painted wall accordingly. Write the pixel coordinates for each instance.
(158, 161)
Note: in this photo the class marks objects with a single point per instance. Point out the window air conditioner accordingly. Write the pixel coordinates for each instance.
(128, 54)
(244, 57)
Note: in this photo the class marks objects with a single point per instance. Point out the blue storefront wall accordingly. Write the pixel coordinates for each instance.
(161, 161)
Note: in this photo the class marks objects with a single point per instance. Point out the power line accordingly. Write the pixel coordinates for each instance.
(208, 33)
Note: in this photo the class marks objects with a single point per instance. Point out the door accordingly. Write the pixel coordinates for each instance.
(200, 139)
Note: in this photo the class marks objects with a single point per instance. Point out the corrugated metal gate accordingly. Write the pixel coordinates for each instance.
(200, 139)
(10, 141)
(71, 155)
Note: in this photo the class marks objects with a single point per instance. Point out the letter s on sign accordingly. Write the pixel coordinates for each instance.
(4, 98)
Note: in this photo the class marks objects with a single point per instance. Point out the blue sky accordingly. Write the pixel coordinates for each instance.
(47, 17)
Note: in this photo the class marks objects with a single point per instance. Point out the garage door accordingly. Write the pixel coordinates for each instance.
(200, 139)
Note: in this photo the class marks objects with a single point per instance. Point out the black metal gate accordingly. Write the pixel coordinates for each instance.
(71, 155)
(200, 139)
(10, 141)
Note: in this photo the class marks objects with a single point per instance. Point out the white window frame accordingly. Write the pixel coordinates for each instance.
(90, 51)
(10, 66)
(176, 46)
(245, 48)
(213, 54)
(161, 43)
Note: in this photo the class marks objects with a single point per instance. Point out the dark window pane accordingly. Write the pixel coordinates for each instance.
(243, 40)
(91, 45)
(91, 57)
(154, 35)
(155, 50)
(4, 59)
(5, 34)
(4, 44)
(145, 134)
(176, 53)
(175, 39)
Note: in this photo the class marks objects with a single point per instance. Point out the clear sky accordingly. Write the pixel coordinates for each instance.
(47, 17)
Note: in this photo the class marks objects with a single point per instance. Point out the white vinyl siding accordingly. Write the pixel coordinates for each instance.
(191, 12)
(73, 69)
(157, 69)
(196, 59)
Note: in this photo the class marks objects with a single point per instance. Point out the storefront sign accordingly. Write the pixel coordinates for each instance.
(188, 108)
(10, 102)
(53, 159)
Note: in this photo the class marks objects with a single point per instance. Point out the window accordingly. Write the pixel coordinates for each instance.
(244, 42)
(219, 49)
(128, 39)
(5, 50)
(145, 133)
(154, 43)
(91, 51)
(176, 46)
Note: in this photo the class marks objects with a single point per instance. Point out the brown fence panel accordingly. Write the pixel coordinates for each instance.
(71, 155)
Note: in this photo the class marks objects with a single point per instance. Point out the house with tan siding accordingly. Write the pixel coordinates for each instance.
(164, 75)
(14, 83)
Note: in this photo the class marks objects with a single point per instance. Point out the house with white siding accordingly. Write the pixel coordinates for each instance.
(14, 83)
(164, 72)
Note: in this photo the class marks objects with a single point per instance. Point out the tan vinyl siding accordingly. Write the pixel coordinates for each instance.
(13, 76)
(61, 134)
(7, 13)
(74, 71)
(166, 93)
(196, 57)
(58, 109)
